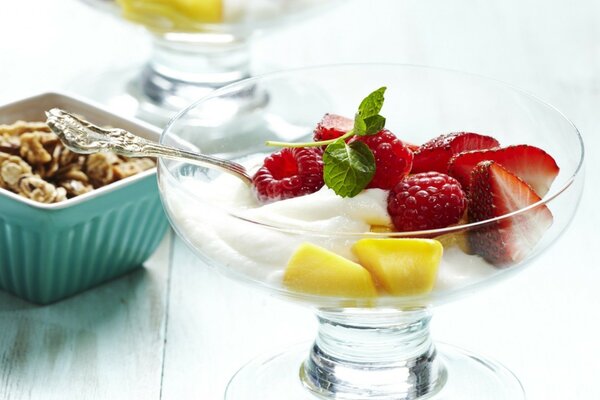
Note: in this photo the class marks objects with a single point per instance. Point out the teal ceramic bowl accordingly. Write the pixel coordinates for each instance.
(51, 251)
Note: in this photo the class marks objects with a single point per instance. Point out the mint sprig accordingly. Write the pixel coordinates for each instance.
(372, 125)
(372, 104)
(348, 168)
(367, 121)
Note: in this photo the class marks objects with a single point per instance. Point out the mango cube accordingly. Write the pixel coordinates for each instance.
(401, 266)
(175, 15)
(315, 270)
(199, 10)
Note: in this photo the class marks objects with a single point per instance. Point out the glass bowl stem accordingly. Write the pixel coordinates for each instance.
(185, 67)
(378, 354)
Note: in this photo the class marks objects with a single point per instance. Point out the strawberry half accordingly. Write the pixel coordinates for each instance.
(332, 126)
(435, 154)
(533, 165)
(494, 192)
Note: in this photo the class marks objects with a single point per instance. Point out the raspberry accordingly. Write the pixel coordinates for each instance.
(429, 200)
(393, 159)
(290, 172)
(332, 126)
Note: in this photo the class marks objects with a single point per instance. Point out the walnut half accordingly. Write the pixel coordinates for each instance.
(35, 188)
(12, 168)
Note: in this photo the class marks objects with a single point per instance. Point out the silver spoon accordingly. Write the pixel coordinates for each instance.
(83, 137)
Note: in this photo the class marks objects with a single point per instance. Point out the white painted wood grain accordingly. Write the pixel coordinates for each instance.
(216, 325)
(106, 343)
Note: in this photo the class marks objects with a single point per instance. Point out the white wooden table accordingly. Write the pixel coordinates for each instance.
(177, 330)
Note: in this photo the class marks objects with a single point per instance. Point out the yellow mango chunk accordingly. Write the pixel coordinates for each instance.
(401, 266)
(200, 10)
(315, 270)
(177, 15)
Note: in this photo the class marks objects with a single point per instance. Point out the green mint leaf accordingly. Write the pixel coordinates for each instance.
(371, 105)
(374, 124)
(348, 168)
(360, 126)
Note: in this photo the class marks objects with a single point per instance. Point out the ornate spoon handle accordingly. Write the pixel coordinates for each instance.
(83, 137)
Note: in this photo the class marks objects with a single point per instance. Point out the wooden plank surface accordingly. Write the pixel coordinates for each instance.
(216, 325)
(106, 343)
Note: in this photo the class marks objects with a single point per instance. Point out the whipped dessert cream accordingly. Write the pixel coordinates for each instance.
(251, 244)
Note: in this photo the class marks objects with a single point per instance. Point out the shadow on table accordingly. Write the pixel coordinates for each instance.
(106, 291)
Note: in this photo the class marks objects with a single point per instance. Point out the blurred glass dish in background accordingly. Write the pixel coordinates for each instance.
(198, 46)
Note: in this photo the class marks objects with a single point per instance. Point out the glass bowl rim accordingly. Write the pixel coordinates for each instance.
(411, 234)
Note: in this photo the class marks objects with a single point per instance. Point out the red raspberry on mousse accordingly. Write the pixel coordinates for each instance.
(289, 172)
(429, 200)
(393, 159)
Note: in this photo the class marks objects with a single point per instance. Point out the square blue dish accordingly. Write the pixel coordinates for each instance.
(51, 251)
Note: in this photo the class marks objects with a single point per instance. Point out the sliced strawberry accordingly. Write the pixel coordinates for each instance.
(332, 126)
(435, 154)
(494, 192)
(533, 165)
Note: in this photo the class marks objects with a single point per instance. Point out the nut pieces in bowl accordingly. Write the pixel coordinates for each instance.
(36, 165)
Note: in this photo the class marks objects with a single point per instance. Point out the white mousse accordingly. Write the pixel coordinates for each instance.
(260, 249)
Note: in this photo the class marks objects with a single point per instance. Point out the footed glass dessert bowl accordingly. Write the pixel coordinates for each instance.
(383, 191)
(198, 46)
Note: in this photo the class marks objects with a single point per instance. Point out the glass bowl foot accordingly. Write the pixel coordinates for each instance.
(469, 377)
